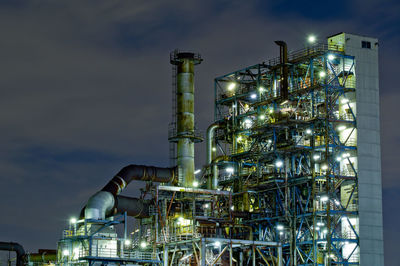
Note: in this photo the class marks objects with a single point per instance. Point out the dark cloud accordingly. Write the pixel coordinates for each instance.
(86, 89)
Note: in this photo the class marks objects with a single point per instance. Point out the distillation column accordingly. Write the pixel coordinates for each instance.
(185, 131)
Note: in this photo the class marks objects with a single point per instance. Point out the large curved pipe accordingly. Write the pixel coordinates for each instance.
(133, 207)
(139, 172)
(100, 205)
(212, 179)
(11, 246)
(107, 201)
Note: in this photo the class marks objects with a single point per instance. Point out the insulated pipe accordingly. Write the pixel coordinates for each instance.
(100, 205)
(141, 173)
(134, 207)
(283, 55)
(210, 137)
(212, 180)
(11, 246)
(105, 202)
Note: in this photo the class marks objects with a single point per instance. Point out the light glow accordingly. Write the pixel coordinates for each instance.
(261, 89)
(197, 171)
(65, 252)
(308, 131)
(322, 74)
(324, 198)
(230, 170)
(247, 123)
(143, 244)
(127, 242)
(341, 128)
(73, 220)
(253, 96)
(262, 117)
(231, 86)
(316, 157)
(279, 163)
(344, 100)
(331, 57)
(217, 244)
(195, 184)
(311, 39)
(279, 227)
(324, 167)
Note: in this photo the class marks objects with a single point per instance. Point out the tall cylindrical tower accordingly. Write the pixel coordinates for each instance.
(183, 128)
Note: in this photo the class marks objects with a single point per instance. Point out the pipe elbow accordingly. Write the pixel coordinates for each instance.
(99, 205)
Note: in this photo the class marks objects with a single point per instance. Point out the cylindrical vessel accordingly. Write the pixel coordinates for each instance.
(185, 131)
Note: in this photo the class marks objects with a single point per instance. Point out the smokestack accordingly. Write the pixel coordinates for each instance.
(184, 128)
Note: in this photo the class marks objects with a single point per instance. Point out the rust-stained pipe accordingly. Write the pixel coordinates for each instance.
(17, 248)
(283, 55)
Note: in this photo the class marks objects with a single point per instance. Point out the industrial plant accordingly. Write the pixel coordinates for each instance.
(292, 174)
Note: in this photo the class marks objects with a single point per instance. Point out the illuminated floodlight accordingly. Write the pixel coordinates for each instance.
(284, 102)
(331, 57)
(238, 78)
(311, 39)
(231, 86)
(73, 220)
(308, 131)
(280, 233)
(338, 158)
(325, 231)
(253, 96)
(195, 184)
(341, 128)
(247, 123)
(322, 74)
(127, 242)
(197, 171)
(261, 117)
(261, 89)
(206, 206)
(332, 256)
(270, 141)
(316, 157)
(230, 170)
(143, 244)
(214, 149)
(65, 252)
(271, 110)
(279, 227)
(324, 198)
(217, 244)
(232, 208)
(344, 100)
(239, 138)
(337, 202)
(317, 228)
(324, 167)
(279, 163)
(320, 224)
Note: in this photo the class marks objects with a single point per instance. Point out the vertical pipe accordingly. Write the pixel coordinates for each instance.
(212, 180)
(165, 255)
(280, 259)
(203, 252)
(185, 114)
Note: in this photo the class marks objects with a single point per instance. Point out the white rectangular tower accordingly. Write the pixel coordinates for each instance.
(365, 51)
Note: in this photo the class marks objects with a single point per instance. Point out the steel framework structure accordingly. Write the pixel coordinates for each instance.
(291, 160)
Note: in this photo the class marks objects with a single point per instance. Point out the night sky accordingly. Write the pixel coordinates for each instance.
(86, 89)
